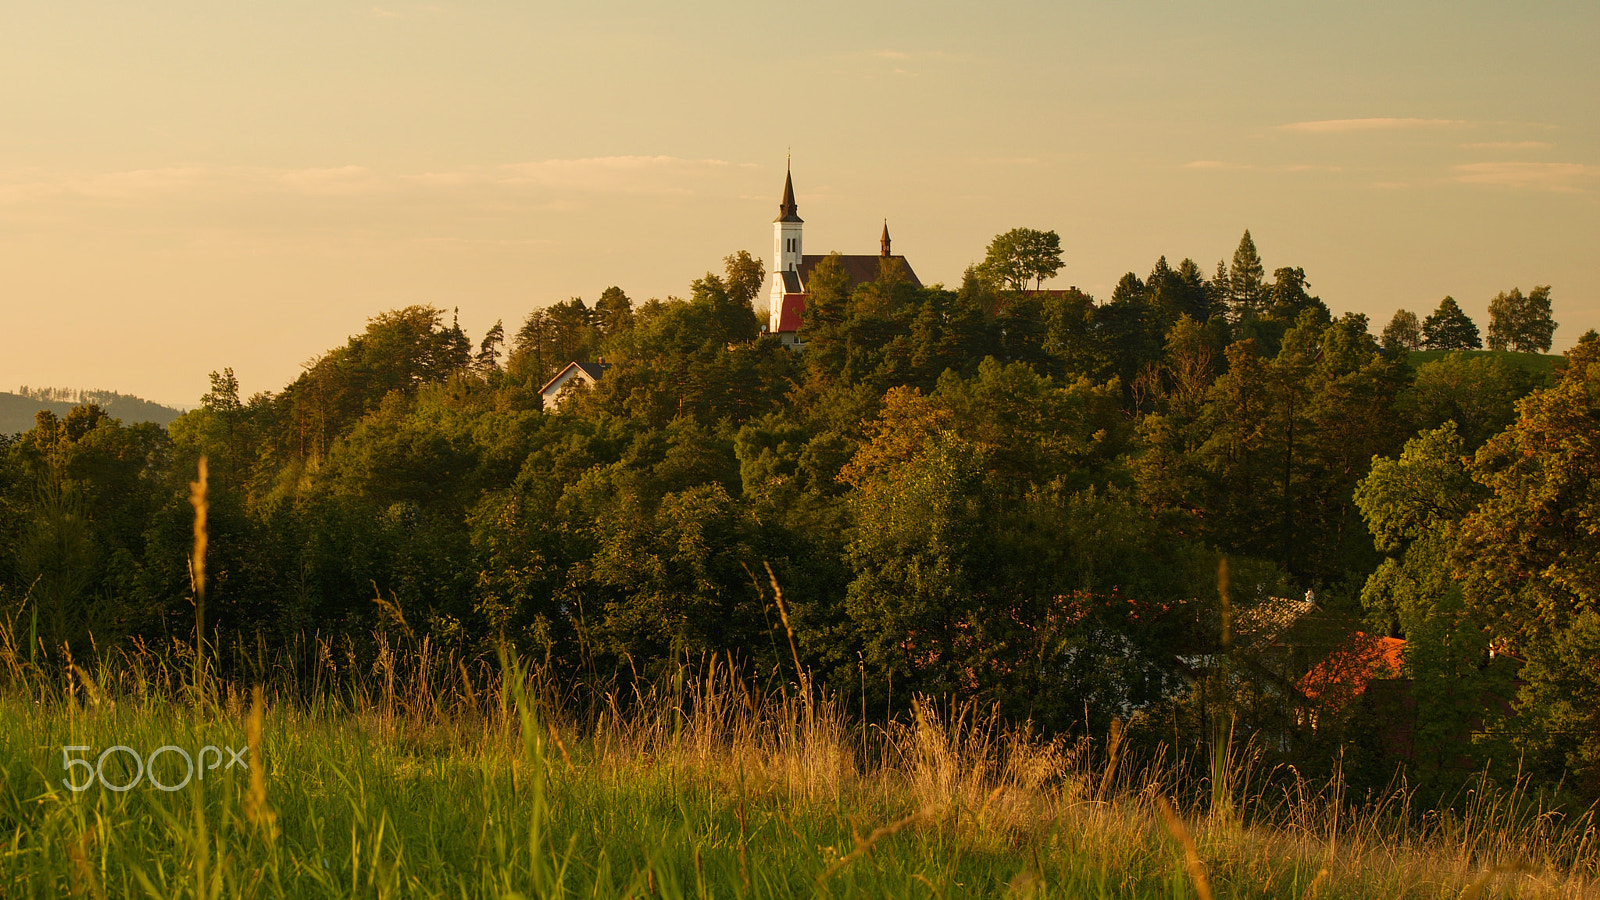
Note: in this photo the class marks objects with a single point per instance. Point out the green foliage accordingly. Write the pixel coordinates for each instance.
(1521, 323)
(1478, 392)
(1015, 496)
(1246, 282)
(1021, 256)
(1527, 555)
(1448, 328)
(1404, 331)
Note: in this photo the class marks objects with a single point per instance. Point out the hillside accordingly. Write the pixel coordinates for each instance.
(17, 411)
(1539, 365)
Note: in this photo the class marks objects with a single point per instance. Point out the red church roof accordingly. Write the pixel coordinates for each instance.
(794, 307)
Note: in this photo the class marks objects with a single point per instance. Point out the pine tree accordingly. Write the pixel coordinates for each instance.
(1247, 287)
(1448, 328)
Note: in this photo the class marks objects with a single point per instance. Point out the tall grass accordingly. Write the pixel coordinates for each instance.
(422, 774)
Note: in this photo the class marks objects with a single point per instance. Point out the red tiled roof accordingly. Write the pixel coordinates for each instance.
(1343, 675)
(794, 306)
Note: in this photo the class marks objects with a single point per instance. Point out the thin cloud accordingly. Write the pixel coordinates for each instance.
(636, 174)
(1509, 145)
(1006, 160)
(1561, 177)
(1343, 126)
(612, 174)
(1219, 165)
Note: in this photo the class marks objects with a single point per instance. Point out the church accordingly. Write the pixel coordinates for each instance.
(791, 269)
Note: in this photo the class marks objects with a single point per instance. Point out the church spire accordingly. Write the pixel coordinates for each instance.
(883, 242)
(786, 209)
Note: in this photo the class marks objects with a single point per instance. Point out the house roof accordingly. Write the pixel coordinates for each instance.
(791, 282)
(861, 268)
(1265, 622)
(592, 369)
(1343, 674)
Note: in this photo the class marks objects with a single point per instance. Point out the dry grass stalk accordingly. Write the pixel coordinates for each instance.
(865, 844)
(256, 809)
(1191, 854)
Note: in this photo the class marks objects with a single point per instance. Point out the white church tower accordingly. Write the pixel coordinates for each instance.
(786, 255)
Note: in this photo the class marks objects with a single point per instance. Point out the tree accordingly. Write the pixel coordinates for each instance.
(613, 312)
(1478, 393)
(1130, 290)
(1448, 328)
(1020, 256)
(744, 277)
(1404, 331)
(1413, 506)
(1521, 323)
(1247, 287)
(488, 358)
(1527, 557)
(1288, 296)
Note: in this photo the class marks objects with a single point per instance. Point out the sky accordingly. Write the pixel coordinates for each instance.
(189, 186)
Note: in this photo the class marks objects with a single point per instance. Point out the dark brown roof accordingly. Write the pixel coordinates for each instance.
(595, 370)
(859, 268)
(786, 208)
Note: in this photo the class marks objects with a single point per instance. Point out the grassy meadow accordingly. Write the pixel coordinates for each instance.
(421, 775)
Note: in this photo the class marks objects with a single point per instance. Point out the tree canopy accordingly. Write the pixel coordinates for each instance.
(1071, 511)
(1022, 256)
(1448, 328)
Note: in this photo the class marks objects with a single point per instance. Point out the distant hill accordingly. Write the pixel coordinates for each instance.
(17, 410)
(1539, 365)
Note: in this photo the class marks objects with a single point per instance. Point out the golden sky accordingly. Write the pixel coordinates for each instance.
(186, 186)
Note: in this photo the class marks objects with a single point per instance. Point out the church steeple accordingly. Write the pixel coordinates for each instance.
(883, 242)
(787, 255)
(786, 209)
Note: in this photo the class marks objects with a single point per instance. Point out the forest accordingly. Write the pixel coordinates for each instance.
(1202, 501)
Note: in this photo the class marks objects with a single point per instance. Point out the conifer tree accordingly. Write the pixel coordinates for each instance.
(1247, 287)
(1448, 328)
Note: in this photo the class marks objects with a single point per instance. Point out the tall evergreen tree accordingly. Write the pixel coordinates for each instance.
(1448, 328)
(1247, 282)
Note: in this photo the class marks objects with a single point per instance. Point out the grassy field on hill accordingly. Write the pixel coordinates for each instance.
(421, 776)
(1539, 365)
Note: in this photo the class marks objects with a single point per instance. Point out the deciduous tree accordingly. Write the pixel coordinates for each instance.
(1519, 323)
(1404, 331)
(1021, 256)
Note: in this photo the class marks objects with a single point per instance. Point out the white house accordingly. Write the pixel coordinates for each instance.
(576, 373)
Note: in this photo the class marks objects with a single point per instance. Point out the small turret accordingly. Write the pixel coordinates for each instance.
(883, 242)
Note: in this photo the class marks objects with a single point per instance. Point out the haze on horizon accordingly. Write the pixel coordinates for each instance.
(194, 187)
